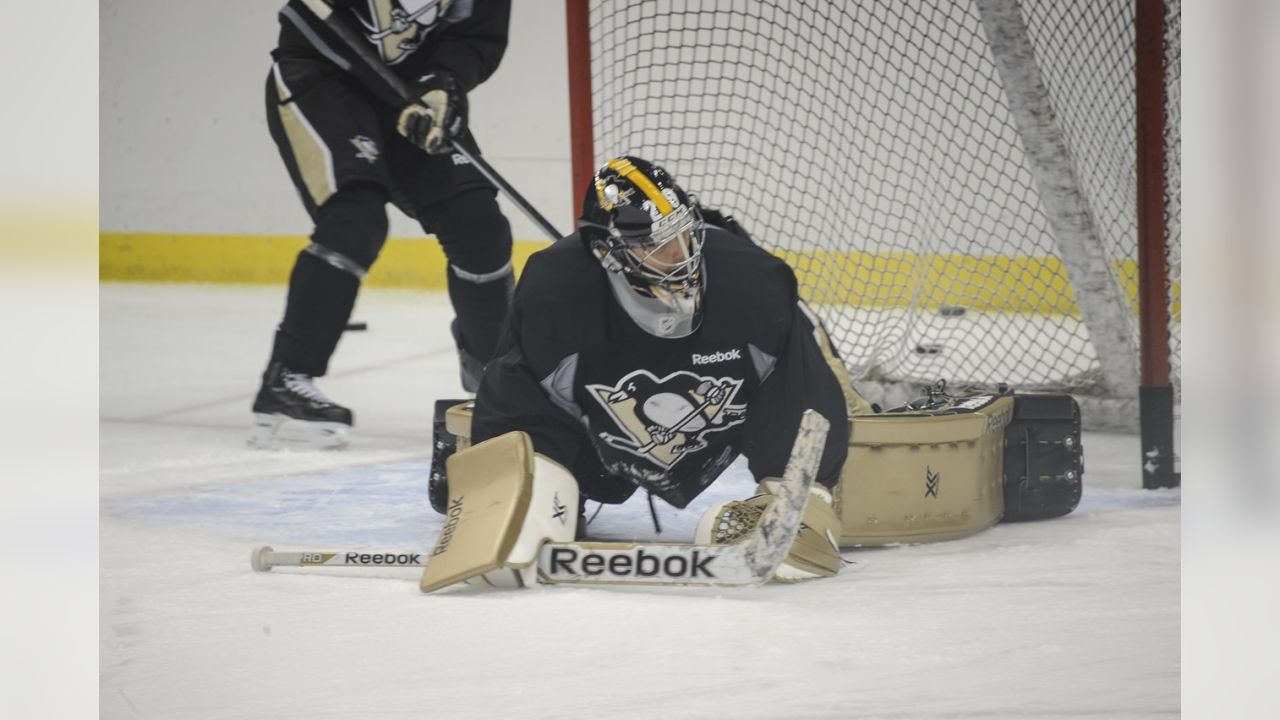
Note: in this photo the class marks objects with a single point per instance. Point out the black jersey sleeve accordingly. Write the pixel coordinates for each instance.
(801, 379)
(515, 392)
(468, 42)
(511, 398)
(471, 50)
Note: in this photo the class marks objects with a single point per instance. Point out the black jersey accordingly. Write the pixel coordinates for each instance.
(623, 409)
(415, 38)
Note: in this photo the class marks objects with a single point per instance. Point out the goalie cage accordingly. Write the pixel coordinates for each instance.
(982, 191)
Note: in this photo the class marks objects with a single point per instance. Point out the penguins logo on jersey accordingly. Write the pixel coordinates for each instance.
(399, 27)
(666, 419)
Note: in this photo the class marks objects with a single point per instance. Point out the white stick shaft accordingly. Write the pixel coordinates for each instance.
(265, 558)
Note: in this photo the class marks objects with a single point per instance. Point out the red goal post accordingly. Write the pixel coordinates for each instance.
(981, 191)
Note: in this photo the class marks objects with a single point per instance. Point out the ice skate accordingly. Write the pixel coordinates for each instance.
(312, 418)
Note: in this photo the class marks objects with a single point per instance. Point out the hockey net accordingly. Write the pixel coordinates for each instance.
(954, 182)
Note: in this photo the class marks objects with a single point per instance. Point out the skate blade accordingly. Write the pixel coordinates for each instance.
(270, 432)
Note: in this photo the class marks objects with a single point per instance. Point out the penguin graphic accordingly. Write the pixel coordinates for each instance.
(668, 418)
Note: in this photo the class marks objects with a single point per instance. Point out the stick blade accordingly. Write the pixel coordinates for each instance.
(765, 549)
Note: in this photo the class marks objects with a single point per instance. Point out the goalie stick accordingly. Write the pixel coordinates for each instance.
(752, 560)
(324, 12)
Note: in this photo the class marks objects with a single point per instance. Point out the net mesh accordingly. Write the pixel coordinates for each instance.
(871, 144)
(1173, 181)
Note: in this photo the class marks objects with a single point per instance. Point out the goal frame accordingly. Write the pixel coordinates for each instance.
(1146, 377)
(1156, 397)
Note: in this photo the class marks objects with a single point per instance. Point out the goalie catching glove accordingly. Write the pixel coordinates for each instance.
(815, 552)
(439, 115)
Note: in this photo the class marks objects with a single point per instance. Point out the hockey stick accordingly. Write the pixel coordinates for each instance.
(501, 183)
(266, 557)
(324, 12)
(752, 560)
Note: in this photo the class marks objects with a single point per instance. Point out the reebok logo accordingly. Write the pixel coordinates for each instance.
(627, 564)
(446, 533)
(382, 559)
(717, 357)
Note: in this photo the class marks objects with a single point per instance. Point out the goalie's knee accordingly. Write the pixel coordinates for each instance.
(504, 503)
(815, 552)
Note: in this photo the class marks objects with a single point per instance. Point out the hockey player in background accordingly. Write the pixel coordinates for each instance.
(351, 145)
(650, 349)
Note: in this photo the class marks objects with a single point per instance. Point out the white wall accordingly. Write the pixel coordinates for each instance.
(184, 145)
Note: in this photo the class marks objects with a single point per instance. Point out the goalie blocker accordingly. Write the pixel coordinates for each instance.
(939, 468)
(508, 502)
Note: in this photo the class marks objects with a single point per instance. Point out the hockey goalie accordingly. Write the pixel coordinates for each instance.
(646, 352)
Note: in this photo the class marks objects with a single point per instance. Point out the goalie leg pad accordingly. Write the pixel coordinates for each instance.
(813, 554)
(504, 503)
(924, 476)
(445, 441)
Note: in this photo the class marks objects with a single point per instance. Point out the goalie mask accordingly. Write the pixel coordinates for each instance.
(648, 234)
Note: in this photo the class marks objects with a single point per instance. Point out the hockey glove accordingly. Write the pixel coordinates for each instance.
(439, 115)
(815, 552)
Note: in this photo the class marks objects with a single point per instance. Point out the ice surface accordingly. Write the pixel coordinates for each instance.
(1071, 617)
